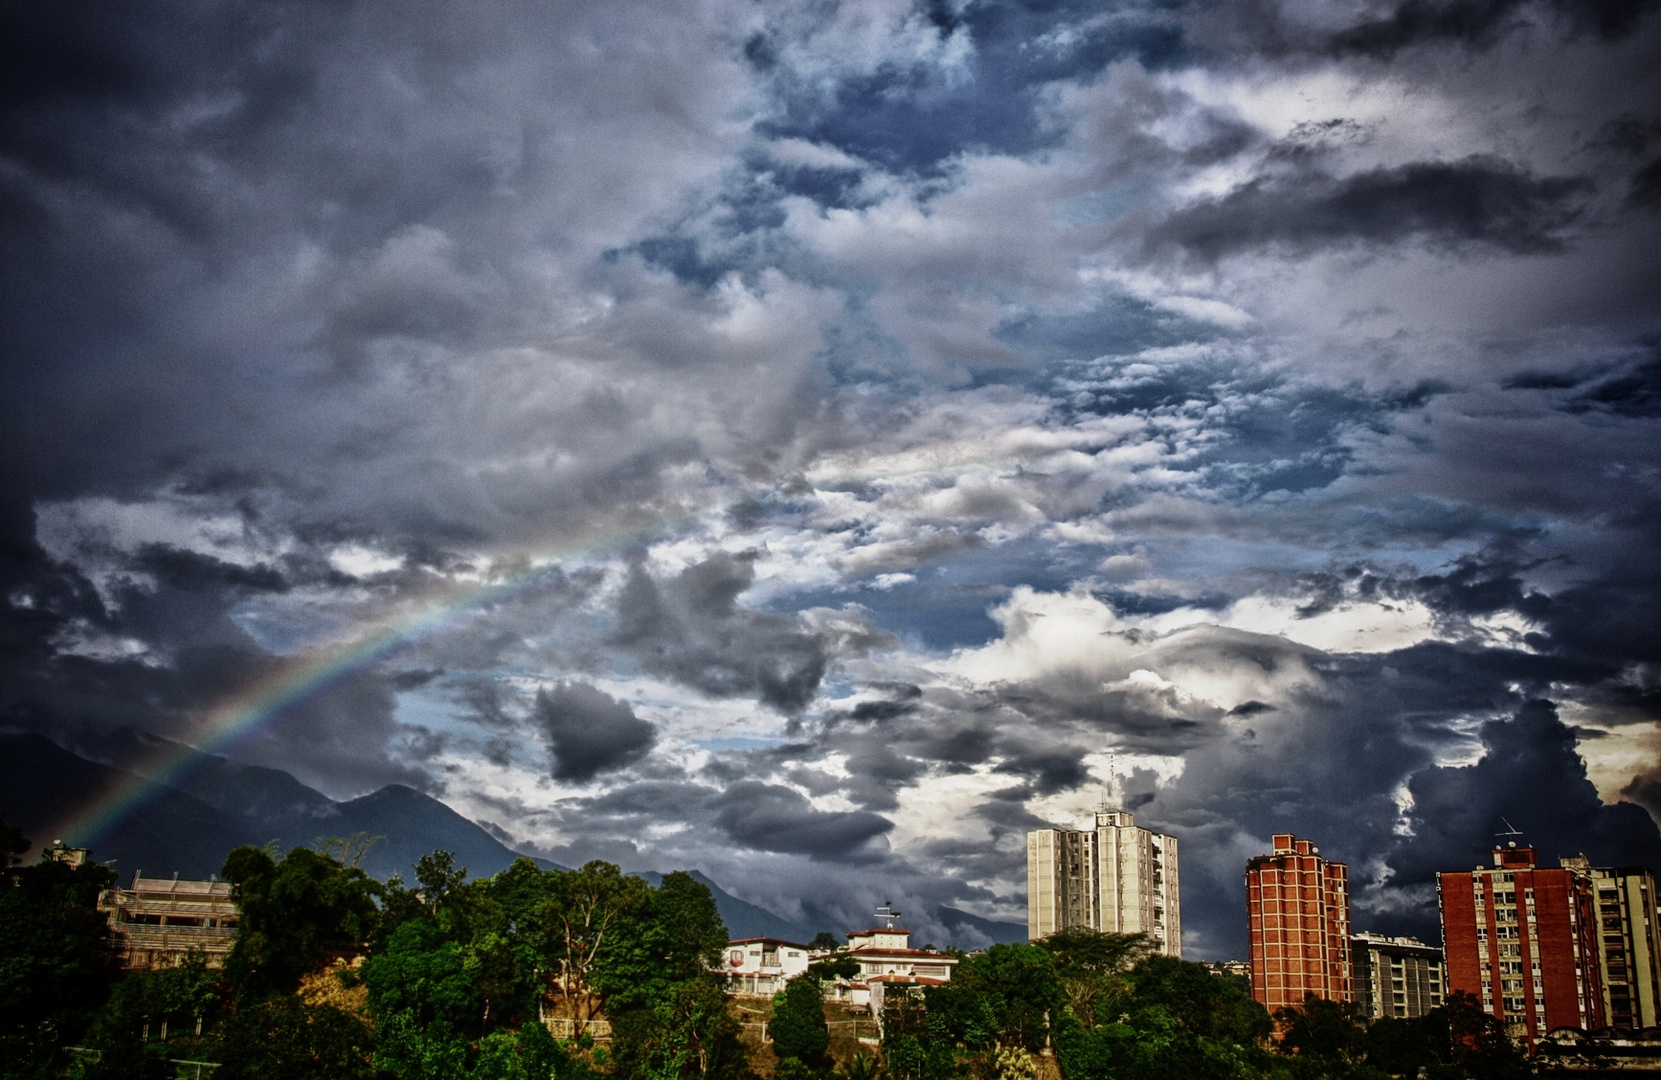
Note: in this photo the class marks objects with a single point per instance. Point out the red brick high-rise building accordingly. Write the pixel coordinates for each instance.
(1522, 939)
(1298, 908)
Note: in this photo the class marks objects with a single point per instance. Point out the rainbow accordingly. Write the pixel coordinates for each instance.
(292, 685)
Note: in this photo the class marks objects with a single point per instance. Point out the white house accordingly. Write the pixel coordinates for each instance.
(760, 966)
(885, 957)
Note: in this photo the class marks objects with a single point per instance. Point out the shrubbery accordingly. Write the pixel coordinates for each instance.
(336, 976)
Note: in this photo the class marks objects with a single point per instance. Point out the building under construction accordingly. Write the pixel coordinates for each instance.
(158, 922)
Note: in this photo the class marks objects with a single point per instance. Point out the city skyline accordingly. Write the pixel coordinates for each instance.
(819, 444)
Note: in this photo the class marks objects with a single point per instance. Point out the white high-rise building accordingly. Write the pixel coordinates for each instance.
(1113, 877)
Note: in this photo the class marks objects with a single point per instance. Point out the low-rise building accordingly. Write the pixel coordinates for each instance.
(887, 963)
(1396, 976)
(158, 922)
(760, 966)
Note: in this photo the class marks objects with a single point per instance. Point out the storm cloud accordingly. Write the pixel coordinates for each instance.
(588, 732)
(815, 444)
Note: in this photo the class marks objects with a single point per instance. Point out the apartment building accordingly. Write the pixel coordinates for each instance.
(1522, 938)
(1113, 876)
(1298, 916)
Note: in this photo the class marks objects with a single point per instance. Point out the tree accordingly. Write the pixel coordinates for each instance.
(842, 965)
(1327, 1030)
(824, 941)
(1091, 966)
(798, 1025)
(1003, 996)
(281, 1038)
(1198, 1001)
(1177, 1020)
(56, 965)
(578, 920)
(295, 914)
(688, 1032)
(424, 974)
(672, 935)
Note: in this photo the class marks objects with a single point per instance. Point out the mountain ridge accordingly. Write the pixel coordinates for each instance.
(192, 820)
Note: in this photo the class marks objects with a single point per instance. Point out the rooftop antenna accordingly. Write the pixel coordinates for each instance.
(887, 913)
(1510, 830)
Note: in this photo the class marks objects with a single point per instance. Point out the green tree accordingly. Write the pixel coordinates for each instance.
(295, 914)
(56, 965)
(1003, 996)
(688, 1032)
(798, 1026)
(1091, 969)
(1198, 1001)
(825, 941)
(916, 1043)
(1330, 1031)
(1456, 1039)
(153, 1015)
(583, 914)
(281, 1038)
(424, 973)
(1176, 1021)
(532, 1054)
(673, 934)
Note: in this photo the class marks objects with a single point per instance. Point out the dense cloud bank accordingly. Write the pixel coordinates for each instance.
(816, 444)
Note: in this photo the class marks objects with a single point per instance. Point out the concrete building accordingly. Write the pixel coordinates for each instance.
(760, 966)
(888, 963)
(1522, 939)
(1628, 965)
(1298, 917)
(1396, 976)
(160, 921)
(1113, 877)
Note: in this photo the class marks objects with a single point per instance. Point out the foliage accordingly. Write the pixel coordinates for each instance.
(55, 961)
(798, 1026)
(580, 917)
(841, 965)
(295, 915)
(448, 981)
(824, 941)
(862, 1066)
(282, 1038)
(686, 1032)
(670, 935)
(1002, 996)
(1091, 967)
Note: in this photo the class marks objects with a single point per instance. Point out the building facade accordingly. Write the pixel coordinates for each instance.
(888, 963)
(1114, 877)
(760, 966)
(158, 922)
(1396, 976)
(1521, 938)
(1298, 916)
(1628, 965)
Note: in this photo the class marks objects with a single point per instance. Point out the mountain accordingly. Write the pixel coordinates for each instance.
(43, 786)
(212, 805)
(414, 825)
(744, 919)
(965, 928)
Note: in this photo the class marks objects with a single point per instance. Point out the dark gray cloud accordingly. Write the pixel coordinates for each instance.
(1531, 776)
(692, 629)
(588, 732)
(1475, 203)
(323, 328)
(1479, 23)
(773, 818)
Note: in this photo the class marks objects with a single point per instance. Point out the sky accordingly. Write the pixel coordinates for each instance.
(818, 442)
